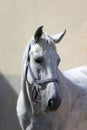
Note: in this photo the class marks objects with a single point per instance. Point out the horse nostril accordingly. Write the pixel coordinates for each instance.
(53, 104)
(50, 104)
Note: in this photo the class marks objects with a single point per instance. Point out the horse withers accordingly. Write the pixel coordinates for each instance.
(50, 99)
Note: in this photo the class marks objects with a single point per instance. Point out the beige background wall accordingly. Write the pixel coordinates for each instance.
(20, 18)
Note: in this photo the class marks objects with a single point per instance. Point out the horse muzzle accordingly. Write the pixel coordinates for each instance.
(54, 103)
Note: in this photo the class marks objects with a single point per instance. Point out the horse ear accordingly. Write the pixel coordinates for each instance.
(38, 34)
(57, 38)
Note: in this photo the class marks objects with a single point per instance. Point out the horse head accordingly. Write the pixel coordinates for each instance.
(42, 70)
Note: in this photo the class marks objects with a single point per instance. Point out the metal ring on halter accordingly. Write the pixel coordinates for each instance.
(35, 92)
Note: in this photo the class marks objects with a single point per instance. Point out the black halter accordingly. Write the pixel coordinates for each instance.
(37, 84)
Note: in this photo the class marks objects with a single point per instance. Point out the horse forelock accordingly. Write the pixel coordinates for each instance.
(37, 50)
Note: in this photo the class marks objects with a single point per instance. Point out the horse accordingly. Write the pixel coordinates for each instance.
(50, 99)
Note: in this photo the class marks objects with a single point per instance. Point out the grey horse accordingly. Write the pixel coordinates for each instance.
(50, 99)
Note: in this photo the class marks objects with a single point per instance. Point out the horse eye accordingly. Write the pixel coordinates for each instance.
(38, 60)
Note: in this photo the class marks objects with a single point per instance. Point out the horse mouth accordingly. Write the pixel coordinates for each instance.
(47, 110)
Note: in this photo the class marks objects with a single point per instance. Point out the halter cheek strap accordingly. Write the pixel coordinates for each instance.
(36, 86)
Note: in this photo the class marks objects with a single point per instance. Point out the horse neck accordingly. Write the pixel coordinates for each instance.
(70, 92)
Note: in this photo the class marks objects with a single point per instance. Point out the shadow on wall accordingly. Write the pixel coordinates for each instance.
(8, 98)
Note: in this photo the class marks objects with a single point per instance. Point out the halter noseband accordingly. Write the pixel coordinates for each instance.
(36, 86)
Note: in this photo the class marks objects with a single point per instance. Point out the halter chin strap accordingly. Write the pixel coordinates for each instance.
(37, 84)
